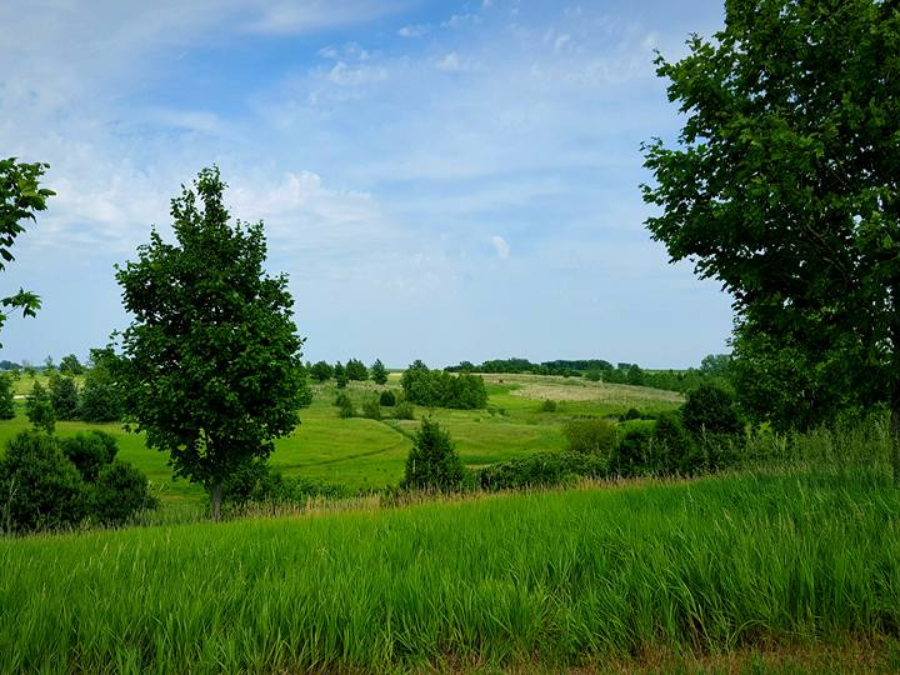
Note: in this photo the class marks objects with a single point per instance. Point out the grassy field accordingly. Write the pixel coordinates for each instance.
(583, 578)
(361, 454)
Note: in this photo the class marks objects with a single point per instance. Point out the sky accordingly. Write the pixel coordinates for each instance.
(440, 180)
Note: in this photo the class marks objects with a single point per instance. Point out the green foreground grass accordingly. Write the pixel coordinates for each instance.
(556, 579)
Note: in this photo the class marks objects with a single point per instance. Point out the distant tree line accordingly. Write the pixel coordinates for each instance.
(439, 388)
(713, 369)
(354, 371)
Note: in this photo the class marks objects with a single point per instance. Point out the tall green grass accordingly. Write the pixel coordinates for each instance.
(555, 578)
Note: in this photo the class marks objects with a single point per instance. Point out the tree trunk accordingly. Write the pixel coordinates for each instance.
(216, 497)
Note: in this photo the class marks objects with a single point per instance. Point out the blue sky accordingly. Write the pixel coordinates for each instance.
(440, 180)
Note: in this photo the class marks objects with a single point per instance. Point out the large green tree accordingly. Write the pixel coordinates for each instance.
(21, 197)
(211, 369)
(783, 183)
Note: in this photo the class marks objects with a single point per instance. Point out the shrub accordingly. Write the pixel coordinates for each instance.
(387, 399)
(590, 436)
(258, 483)
(89, 452)
(39, 487)
(372, 409)
(711, 409)
(540, 470)
(593, 375)
(120, 491)
(433, 463)
(439, 388)
(345, 405)
(629, 457)
(39, 409)
(379, 372)
(404, 410)
(100, 401)
(548, 406)
(672, 450)
(630, 414)
(7, 398)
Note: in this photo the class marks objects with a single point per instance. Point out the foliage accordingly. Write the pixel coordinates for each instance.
(590, 436)
(372, 409)
(212, 369)
(321, 371)
(39, 487)
(379, 372)
(120, 491)
(7, 397)
(436, 388)
(345, 406)
(672, 450)
(548, 406)
(89, 452)
(101, 399)
(70, 365)
(340, 375)
(713, 410)
(630, 414)
(540, 470)
(433, 463)
(387, 399)
(21, 197)
(259, 483)
(783, 187)
(404, 410)
(356, 370)
(64, 397)
(630, 456)
(39, 409)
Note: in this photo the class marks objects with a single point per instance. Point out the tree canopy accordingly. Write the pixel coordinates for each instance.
(783, 183)
(211, 369)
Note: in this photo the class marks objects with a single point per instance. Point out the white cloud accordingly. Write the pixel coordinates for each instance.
(500, 247)
(414, 30)
(355, 76)
(312, 15)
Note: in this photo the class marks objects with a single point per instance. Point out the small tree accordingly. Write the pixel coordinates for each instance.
(590, 436)
(357, 371)
(379, 372)
(39, 409)
(433, 463)
(7, 397)
(64, 397)
(711, 409)
(70, 365)
(388, 399)
(212, 367)
(321, 371)
(340, 375)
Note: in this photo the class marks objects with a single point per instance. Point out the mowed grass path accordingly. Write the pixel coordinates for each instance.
(549, 579)
(366, 454)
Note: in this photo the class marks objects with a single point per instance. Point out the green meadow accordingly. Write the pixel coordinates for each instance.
(598, 578)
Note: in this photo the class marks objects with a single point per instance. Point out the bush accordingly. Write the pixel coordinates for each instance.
(321, 371)
(711, 409)
(356, 370)
(372, 409)
(404, 410)
(593, 375)
(39, 487)
(379, 372)
(590, 436)
(629, 457)
(89, 452)
(548, 406)
(345, 406)
(258, 483)
(120, 491)
(672, 449)
(433, 463)
(64, 397)
(631, 414)
(439, 388)
(540, 470)
(100, 401)
(7, 397)
(39, 409)
(387, 399)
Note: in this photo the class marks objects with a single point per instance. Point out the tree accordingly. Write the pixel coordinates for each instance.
(711, 410)
(321, 371)
(70, 365)
(39, 409)
(64, 397)
(433, 463)
(340, 375)
(357, 371)
(101, 399)
(21, 197)
(379, 372)
(7, 398)
(783, 185)
(211, 366)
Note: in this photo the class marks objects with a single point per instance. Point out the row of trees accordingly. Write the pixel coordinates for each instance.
(355, 370)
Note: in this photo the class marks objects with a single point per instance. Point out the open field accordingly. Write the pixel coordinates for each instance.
(582, 578)
(365, 454)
